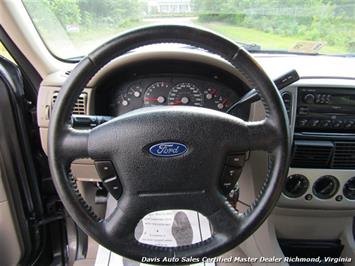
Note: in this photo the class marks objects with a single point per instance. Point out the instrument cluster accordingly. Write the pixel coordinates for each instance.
(172, 91)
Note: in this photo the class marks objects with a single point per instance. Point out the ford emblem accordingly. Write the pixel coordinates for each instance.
(168, 149)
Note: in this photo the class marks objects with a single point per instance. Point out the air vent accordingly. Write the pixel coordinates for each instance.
(344, 155)
(312, 154)
(80, 107)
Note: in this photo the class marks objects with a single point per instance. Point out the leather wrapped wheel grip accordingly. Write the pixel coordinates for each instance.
(229, 228)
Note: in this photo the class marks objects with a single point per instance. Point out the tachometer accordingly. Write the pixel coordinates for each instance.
(185, 93)
(123, 99)
(156, 94)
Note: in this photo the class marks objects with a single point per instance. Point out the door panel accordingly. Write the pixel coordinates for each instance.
(10, 248)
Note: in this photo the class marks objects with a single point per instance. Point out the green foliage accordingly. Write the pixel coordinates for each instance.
(86, 13)
(328, 21)
(110, 12)
(67, 11)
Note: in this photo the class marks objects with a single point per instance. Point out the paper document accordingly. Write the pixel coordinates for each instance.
(169, 228)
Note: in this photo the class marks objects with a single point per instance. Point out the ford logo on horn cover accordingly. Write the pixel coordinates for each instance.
(168, 149)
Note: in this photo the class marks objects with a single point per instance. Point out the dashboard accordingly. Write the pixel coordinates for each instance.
(321, 173)
(319, 188)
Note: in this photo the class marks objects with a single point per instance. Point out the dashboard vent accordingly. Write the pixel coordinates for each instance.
(80, 107)
(344, 155)
(312, 154)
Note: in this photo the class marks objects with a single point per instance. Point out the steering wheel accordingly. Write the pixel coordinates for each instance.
(186, 181)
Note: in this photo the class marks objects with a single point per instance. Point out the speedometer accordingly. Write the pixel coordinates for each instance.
(185, 93)
(156, 94)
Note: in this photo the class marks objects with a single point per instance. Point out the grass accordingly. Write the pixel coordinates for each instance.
(265, 40)
(86, 40)
(89, 39)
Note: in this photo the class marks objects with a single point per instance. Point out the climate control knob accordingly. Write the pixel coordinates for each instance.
(326, 187)
(349, 189)
(296, 185)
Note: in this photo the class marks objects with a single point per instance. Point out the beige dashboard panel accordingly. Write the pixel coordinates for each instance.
(83, 169)
(44, 105)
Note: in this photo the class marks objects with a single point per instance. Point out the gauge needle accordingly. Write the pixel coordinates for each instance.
(177, 101)
(151, 99)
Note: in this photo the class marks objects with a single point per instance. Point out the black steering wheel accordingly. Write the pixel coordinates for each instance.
(187, 181)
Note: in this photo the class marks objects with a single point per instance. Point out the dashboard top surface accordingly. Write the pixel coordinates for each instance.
(307, 66)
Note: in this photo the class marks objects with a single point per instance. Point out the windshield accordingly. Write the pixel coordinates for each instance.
(72, 28)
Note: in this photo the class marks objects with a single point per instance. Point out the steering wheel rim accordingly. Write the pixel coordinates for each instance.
(229, 227)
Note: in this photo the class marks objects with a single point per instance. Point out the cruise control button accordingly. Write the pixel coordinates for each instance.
(229, 178)
(227, 187)
(109, 178)
(231, 173)
(236, 160)
(105, 169)
(114, 187)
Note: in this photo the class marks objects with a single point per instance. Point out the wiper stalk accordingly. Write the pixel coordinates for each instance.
(281, 82)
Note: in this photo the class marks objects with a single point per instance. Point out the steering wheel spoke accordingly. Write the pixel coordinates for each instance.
(74, 144)
(241, 136)
(122, 222)
(263, 135)
(225, 221)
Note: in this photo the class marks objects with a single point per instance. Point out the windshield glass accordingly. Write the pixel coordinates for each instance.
(72, 28)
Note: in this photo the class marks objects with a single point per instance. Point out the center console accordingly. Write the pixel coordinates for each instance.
(322, 169)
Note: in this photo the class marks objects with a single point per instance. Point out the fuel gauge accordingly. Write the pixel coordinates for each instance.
(123, 99)
(135, 91)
